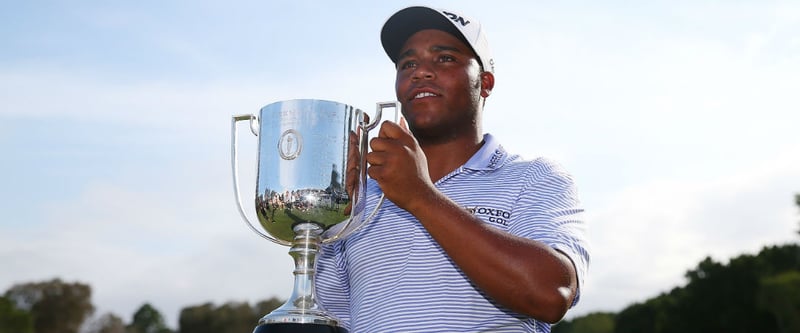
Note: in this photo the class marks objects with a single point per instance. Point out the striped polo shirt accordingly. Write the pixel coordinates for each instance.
(391, 276)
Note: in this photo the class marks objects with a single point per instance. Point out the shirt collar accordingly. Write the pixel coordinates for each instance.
(491, 155)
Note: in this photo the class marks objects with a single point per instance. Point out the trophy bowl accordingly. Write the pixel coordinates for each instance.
(310, 189)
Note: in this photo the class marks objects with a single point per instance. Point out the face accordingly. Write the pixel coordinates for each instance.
(440, 86)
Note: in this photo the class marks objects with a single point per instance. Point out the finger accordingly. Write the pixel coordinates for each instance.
(380, 144)
(375, 172)
(391, 130)
(377, 158)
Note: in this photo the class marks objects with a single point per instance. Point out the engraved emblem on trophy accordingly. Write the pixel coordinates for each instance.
(304, 194)
(290, 144)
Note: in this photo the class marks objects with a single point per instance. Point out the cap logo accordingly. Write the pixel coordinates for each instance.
(456, 18)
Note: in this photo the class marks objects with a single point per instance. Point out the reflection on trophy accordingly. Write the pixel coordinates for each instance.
(304, 194)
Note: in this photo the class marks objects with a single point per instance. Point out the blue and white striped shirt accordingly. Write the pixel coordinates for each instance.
(391, 276)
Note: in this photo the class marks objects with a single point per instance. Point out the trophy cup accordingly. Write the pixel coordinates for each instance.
(302, 199)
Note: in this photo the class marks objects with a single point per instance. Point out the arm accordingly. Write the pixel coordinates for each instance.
(524, 275)
(527, 276)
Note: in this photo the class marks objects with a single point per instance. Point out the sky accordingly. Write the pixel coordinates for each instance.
(678, 120)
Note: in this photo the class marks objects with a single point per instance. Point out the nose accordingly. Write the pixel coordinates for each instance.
(423, 72)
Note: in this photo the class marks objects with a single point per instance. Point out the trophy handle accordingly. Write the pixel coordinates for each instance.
(378, 112)
(235, 166)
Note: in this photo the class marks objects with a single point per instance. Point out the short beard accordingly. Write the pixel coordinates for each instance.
(445, 133)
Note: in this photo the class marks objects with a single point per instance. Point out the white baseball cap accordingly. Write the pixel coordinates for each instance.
(400, 26)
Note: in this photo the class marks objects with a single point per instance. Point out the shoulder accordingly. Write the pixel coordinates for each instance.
(536, 169)
(545, 166)
(494, 155)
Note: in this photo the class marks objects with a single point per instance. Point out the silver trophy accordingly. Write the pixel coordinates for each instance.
(305, 195)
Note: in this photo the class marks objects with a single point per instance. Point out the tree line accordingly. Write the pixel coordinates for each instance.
(751, 293)
(56, 306)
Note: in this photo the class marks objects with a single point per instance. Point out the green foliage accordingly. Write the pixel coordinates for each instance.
(56, 307)
(107, 323)
(231, 317)
(597, 322)
(639, 317)
(148, 320)
(266, 306)
(196, 318)
(780, 295)
(758, 293)
(14, 320)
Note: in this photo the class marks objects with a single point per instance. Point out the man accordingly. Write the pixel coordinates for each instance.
(470, 238)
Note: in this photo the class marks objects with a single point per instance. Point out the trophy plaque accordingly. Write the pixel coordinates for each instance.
(304, 194)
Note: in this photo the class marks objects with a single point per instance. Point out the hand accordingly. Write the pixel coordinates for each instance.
(399, 165)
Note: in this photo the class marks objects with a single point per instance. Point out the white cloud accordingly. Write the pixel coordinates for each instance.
(135, 247)
(647, 236)
(176, 103)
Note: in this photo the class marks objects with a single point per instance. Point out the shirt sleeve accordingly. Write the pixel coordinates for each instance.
(548, 210)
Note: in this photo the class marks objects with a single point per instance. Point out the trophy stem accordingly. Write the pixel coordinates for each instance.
(302, 307)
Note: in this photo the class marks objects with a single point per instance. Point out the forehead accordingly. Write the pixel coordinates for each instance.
(427, 38)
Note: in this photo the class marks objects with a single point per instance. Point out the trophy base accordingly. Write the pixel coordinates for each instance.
(298, 328)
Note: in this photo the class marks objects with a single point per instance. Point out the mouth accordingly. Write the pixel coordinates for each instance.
(423, 94)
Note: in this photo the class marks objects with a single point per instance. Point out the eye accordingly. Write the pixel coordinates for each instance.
(408, 64)
(446, 58)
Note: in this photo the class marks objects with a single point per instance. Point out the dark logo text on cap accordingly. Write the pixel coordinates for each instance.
(456, 18)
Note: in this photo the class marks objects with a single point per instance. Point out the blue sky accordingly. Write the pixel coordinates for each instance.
(677, 118)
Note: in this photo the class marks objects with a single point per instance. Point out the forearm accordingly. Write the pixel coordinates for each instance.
(526, 276)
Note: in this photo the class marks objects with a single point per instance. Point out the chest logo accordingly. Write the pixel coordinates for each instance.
(493, 215)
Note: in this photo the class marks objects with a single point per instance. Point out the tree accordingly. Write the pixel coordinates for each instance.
(56, 307)
(14, 320)
(196, 319)
(266, 306)
(107, 323)
(597, 322)
(752, 293)
(640, 317)
(148, 320)
(231, 317)
(724, 298)
(594, 323)
(235, 317)
(780, 294)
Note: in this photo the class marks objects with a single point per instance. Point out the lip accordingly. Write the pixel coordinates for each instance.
(422, 92)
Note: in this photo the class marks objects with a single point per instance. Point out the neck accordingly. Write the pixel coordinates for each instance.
(445, 156)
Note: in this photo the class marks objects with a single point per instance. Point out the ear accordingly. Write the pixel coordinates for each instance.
(487, 84)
